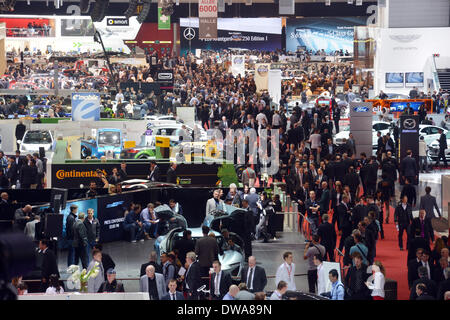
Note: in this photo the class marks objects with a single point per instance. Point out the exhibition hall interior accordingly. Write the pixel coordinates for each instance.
(224, 150)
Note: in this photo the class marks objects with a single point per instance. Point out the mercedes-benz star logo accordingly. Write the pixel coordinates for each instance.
(409, 124)
(189, 33)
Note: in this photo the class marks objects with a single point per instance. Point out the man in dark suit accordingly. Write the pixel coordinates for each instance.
(403, 217)
(154, 172)
(80, 241)
(327, 235)
(184, 245)
(220, 282)
(153, 262)
(442, 147)
(20, 132)
(12, 172)
(372, 175)
(171, 174)
(428, 203)
(324, 201)
(410, 192)
(423, 226)
(192, 277)
(207, 250)
(408, 168)
(173, 294)
(413, 266)
(423, 278)
(344, 220)
(254, 276)
(49, 264)
(439, 270)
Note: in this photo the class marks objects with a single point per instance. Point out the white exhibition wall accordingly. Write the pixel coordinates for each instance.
(409, 50)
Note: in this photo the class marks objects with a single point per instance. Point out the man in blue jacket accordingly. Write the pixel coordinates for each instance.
(133, 225)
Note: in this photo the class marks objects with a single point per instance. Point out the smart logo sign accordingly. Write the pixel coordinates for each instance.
(85, 106)
(117, 22)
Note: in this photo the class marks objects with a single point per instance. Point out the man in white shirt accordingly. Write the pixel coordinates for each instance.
(286, 271)
(282, 287)
(321, 274)
(30, 227)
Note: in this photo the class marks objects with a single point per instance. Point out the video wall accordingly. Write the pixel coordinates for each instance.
(406, 79)
(330, 34)
(239, 33)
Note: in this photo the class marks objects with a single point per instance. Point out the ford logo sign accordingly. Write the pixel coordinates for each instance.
(361, 109)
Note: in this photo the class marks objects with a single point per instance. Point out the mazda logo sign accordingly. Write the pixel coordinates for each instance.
(409, 124)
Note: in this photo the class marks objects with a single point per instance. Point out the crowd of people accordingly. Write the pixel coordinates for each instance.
(338, 192)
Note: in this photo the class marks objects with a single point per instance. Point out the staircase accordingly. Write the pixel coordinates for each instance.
(444, 78)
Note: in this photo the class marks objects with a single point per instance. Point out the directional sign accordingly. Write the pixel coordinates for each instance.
(207, 14)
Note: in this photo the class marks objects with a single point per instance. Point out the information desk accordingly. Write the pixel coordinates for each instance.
(87, 296)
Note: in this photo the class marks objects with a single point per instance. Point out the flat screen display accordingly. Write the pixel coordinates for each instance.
(394, 79)
(400, 106)
(414, 78)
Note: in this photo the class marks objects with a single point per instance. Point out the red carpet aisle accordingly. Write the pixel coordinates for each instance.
(392, 258)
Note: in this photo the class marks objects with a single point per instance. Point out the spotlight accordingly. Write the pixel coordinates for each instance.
(131, 8)
(145, 11)
(99, 11)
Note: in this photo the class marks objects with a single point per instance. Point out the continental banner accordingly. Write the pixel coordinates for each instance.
(72, 175)
(207, 14)
(262, 76)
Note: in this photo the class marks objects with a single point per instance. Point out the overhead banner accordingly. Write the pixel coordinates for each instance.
(207, 14)
(262, 76)
(243, 33)
(238, 65)
(330, 34)
(85, 106)
(163, 20)
(275, 85)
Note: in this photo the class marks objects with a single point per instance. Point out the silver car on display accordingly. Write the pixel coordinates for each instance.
(231, 260)
(433, 148)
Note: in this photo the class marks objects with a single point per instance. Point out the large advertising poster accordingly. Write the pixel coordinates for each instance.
(237, 65)
(85, 106)
(207, 14)
(242, 33)
(330, 34)
(262, 76)
(111, 216)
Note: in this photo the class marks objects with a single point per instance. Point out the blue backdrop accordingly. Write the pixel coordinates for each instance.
(330, 34)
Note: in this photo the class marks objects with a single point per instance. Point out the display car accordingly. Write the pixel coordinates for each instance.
(383, 127)
(232, 260)
(433, 148)
(108, 142)
(138, 184)
(35, 139)
(430, 132)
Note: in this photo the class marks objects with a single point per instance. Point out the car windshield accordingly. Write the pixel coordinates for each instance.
(111, 138)
(37, 137)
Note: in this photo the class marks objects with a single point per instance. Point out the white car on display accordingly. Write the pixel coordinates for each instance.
(433, 148)
(430, 132)
(162, 118)
(170, 130)
(383, 127)
(34, 139)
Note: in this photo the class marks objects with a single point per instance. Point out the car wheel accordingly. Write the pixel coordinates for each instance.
(143, 156)
(85, 152)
